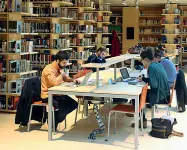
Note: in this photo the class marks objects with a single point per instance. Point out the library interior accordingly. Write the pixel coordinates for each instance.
(102, 74)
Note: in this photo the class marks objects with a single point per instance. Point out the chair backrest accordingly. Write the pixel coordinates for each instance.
(172, 91)
(143, 97)
(81, 73)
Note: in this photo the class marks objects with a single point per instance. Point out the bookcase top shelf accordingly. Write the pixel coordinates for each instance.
(26, 53)
(98, 11)
(11, 94)
(55, 2)
(21, 73)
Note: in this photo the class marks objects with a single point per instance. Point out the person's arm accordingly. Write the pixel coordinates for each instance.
(52, 79)
(68, 79)
(97, 60)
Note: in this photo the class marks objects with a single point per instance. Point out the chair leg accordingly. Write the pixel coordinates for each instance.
(65, 123)
(76, 114)
(108, 125)
(53, 112)
(141, 120)
(30, 115)
(115, 122)
(153, 111)
(79, 104)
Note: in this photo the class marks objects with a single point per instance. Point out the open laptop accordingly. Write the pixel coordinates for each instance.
(126, 77)
(84, 81)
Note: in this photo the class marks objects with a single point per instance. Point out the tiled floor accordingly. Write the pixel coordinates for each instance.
(76, 137)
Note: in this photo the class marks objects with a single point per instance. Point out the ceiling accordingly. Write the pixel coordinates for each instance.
(144, 2)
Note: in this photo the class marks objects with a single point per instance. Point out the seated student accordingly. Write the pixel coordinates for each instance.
(52, 75)
(98, 57)
(157, 79)
(168, 66)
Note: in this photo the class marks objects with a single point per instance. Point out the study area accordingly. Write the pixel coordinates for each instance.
(93, 74)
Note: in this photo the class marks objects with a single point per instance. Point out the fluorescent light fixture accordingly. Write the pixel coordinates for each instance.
(124, 2)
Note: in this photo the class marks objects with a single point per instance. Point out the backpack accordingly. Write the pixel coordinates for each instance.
(163, 128)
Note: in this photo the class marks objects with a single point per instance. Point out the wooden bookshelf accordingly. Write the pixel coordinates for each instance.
(16, 52)
(150, 26)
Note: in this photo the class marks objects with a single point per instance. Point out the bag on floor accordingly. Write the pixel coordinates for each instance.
(163, 128)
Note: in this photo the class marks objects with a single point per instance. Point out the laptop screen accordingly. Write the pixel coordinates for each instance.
(124, 73)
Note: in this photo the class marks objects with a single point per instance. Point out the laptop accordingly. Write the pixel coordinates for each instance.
(126, 77)
(84, 81)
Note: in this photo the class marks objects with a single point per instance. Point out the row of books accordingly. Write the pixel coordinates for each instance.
(81, 42)
(104, 40)
(15, 86)
(41, 42)
(149, 39)
(176, 21)
(103, 29)
(51, 11)
(81, 28)
(80, 55)
(150, 22)
(176, 40)
(16, 6)
(175, 31)
(102, 19)
(2, 83)
(185, 22)
(17, 66)
(12, 102)
(104, 7)
(2, 64)
(60, 28)
(150, 31)
(74, 67)
(3, 26)
(81, 16)
(83, 3)
(184, 40)
(61, 43)
(42, 58)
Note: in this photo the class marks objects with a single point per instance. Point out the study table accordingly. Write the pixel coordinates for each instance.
(118, 90)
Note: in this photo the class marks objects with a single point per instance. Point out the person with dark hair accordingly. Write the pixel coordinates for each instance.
(98, 57)
(168, 66)
(53, 75)
(159, 92)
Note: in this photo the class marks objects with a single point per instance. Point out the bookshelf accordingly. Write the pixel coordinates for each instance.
(116, 20)
(16, 51)
(171, 33)
(150, 26)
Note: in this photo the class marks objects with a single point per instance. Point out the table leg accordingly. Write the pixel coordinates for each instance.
(85, 108)
(136, 118)
(97, 78)
(50, 117)
(115, 71)
(132, 63)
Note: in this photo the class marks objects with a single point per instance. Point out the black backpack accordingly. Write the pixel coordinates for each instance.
(162, 128)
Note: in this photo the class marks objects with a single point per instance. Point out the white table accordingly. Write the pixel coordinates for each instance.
(118, 90)
(109, 62)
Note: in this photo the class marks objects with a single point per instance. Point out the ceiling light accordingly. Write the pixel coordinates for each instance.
(124, 2)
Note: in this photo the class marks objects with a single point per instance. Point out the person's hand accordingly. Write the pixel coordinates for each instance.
(140, 78)
(76, 81)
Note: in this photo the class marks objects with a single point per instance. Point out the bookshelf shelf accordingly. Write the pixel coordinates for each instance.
(83, 8)
(52, 49)
(170, 14)
(150, 16)
(20, 74)
(6, 110)
(82, 46)
(171, 34)
(170, 24)
(11, 94)
(26, 53)
(19, 13)
(170, 44)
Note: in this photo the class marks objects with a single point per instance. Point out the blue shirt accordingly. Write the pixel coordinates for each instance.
(170, 69)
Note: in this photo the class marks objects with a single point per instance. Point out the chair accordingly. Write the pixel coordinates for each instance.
(80, 98)
(167, 106)
(39, 103)
(124, 108)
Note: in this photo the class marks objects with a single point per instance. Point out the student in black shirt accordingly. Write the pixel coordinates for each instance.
(98, 57)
